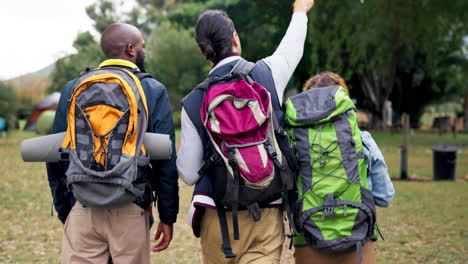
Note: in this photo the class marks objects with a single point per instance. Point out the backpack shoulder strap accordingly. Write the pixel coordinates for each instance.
(243, 67)
(204, 85)
(142, 75)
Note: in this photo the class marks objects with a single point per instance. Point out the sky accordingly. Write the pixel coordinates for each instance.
(35, 33)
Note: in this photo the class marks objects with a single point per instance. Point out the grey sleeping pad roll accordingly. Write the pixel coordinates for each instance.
(45, 148)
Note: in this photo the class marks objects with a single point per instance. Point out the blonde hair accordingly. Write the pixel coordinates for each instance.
(325, 79)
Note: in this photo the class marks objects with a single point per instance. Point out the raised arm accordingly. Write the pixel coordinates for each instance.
(287, 56)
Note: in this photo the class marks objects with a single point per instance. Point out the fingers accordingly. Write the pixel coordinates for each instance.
(166, 232)
(162, 245)
(303, 5)
(158, 233)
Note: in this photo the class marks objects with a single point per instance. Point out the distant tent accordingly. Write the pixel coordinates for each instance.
(48, 103)
(3, 124)
(45, 121)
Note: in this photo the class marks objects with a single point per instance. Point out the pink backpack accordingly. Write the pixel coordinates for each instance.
(238, 116)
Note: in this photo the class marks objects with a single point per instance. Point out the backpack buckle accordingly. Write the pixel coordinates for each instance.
(281, 132)
(329, 205)
(63, 156)
(270, 150)
(231, 158)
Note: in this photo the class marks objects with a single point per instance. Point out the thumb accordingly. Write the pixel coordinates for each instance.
(158, 233)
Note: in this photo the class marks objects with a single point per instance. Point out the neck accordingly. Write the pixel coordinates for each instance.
(232, 54)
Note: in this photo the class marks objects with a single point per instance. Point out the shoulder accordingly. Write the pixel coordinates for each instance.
(365, 134)
(195, 93)
(195, 96)
(69, 86)
(262, 65)
(370, 145)
(67, 90)
(367, 139)
(152, 86)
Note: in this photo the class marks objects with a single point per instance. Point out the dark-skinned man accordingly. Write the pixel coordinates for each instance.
(120, 234)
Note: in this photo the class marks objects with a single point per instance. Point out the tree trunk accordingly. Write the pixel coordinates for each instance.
(372, 88)
(404, 147)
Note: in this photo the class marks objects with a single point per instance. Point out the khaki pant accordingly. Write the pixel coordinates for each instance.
(260, 242)
(308, 255)
(93, 235)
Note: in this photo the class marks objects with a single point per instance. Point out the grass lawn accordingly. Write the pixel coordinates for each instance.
(425, 224)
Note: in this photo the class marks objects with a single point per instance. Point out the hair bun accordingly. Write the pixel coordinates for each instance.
(207, 49)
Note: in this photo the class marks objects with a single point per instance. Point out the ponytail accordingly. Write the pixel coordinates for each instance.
(213, 33)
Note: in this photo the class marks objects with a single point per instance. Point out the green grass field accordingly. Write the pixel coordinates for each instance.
(427, 222)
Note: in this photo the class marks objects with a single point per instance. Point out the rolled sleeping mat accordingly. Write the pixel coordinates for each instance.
(158, 146)
(45, 148)
(40, 149)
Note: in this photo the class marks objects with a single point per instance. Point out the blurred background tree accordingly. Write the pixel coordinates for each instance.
(89, 54)
(8, 103)
(174, 60)
(413, 53)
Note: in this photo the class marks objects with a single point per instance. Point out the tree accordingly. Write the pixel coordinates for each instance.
(88, 54)
(8, 102)
(409, 51)
(103, 13)
(173, 59)
(387, 49)
(406, 51)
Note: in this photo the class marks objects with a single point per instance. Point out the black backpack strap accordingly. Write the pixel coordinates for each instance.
(88, 69)
(204, 85)
(226, 246)
(142, 75)
(242, 67)
(235, 191)
(289, 214)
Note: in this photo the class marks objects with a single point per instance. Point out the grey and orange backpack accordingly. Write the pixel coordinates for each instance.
(107, 119)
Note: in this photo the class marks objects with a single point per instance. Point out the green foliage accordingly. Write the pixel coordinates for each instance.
(8, 102)
(173, 58)
(390, 49)
(103, 13)
(410, 52)
(398, 49)
(176, 117)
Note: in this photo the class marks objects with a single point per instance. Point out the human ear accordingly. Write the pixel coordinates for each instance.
(131, 50)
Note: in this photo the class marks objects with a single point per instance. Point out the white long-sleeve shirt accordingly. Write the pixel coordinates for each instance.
(282, 64)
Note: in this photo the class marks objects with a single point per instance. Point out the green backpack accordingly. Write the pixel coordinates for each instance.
(335, 208)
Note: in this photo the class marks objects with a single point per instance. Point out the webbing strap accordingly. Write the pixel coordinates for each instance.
(292, 226)
(244, 67)
(378, 230)
(142, 75)
(235, 214)
(272, 153)
(359, 252)
(226, 246)
(235, 194)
